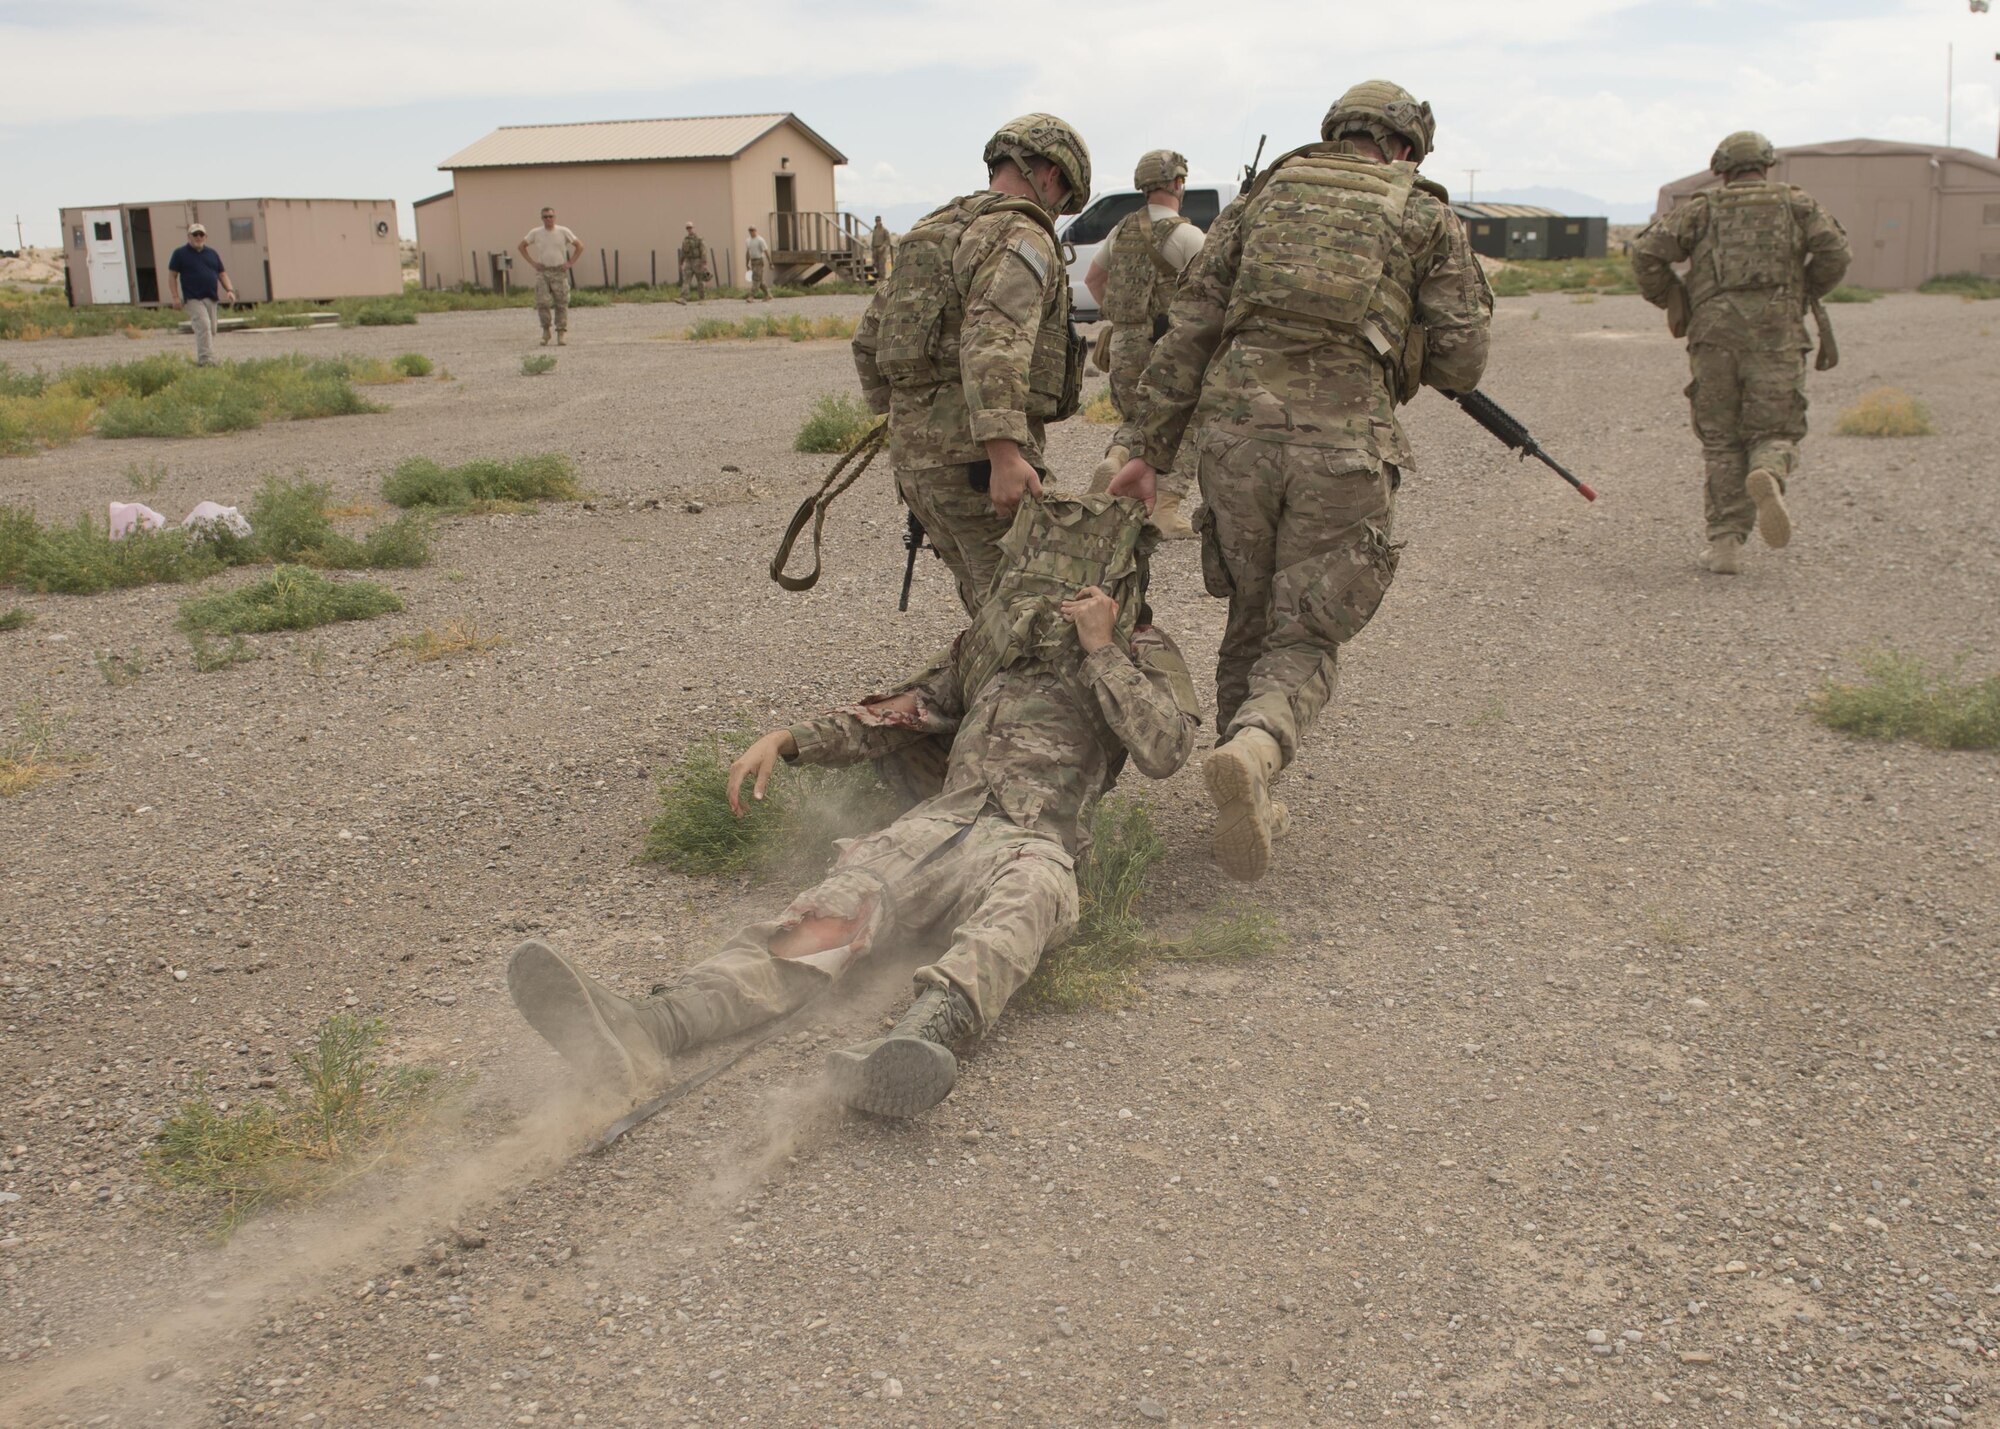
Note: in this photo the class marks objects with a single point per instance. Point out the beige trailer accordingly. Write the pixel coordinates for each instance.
(1912, 211)
(312, 248)
(628, 188)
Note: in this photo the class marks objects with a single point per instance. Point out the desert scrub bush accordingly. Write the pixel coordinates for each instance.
(16, 618)
(1096, 967)
(1848, 293)
(290, 598)
(1962, 285)
(381, 315)
(795, 326)
(26, 317)
(1101, 409)
(459, 637)
(414, 364)
(1885, 412)
(347, 1114)
(166, 395)
(119, 670)
(210, 657)
(145, 480)
(292, 521)
(791, 831)
(34, 754)
(477, 486)
(1522, 276)
(537, 365)
(835, 424)
(1902, 697)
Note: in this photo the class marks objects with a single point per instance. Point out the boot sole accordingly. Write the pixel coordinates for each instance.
(1242, 841)
(551, 995)
(892, 1076)
(1774, 522)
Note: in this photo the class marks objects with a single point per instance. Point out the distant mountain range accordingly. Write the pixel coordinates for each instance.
(1565, 201)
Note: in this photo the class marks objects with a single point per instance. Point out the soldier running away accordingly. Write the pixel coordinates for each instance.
(1759, 254)
(1058, 680)
(1134, 277)
(969, 349)
(1323, 297)
(694, 266)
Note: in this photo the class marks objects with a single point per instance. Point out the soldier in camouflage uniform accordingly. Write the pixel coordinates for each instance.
(1057, 682)
(1759, 254)
(969, 349)
(694, 266)
(1134, 276)
(1323, 297)
(879, 240)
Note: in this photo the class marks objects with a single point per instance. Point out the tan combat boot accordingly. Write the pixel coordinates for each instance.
(1774, 522)
(1114, 461)
(562, 339)
(613, 1041)
(1167, 518)
(910, 1070)
(1724, 556)
(1239, 776)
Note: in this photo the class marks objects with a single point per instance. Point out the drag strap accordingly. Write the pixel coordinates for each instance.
(813, 508)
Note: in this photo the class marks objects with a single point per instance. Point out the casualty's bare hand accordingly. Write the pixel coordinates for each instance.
(1013, 477)
(759, 760)
(1094, 614)
(1137, 479)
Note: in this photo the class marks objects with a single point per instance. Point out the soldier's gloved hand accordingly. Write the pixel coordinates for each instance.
(1094, 614)
(1013, 478)
(1114, 461)
(1137, 479)
(759, 760)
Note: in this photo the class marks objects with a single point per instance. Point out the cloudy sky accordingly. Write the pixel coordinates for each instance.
(131, 100)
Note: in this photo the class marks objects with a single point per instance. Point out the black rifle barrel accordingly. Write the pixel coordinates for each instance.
(1512, 435)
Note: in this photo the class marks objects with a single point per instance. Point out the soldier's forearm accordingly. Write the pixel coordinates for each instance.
(1141, 712)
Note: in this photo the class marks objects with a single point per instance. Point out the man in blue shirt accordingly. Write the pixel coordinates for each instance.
(195, 280)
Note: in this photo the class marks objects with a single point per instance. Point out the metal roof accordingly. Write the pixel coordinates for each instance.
(1466, 209)
(626, 141)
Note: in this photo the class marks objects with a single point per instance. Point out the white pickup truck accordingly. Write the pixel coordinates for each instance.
(1088, 230)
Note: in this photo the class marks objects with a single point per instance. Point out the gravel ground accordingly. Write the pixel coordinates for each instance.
(1632, 1060)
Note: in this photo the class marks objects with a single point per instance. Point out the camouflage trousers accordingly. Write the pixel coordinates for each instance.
(1750, 413)
(552, 293)
(961, 523)
(760, 281)
(695, 281)
(1297, 538)
(1130, 348)
(880, 258)
(993, 893)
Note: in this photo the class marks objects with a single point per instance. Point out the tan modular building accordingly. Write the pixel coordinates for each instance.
(628, 187)
(313, 248)
(1912, 211)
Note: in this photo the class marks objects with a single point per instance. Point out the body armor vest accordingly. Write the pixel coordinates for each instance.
(924, 312)
(1752, 242)
(1323, 256)
(1139, 286)
(1055, 548)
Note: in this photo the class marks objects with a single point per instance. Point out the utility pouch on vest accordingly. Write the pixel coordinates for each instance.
(1055, 376)
(1407, 377)
(1752, 237)
(1100, 351)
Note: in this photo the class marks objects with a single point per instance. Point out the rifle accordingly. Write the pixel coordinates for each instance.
(1250, 169)
(913, 542)
(1492, 416)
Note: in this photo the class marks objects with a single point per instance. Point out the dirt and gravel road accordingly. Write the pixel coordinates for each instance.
(1632, 1060)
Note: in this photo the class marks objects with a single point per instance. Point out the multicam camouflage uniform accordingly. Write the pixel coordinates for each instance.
(1758, 254)
(1140, 279)
(694, 267)
(1291, 379)
(1038, 731)
(969, 342)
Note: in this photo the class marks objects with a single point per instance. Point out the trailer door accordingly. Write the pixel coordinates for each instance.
(104, 256)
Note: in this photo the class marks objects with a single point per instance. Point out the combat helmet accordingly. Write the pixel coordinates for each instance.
(1158, 168)
(1043, 136)
(1383, 110)
(1745, 149)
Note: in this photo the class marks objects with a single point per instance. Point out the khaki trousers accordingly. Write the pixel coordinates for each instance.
(201, 317)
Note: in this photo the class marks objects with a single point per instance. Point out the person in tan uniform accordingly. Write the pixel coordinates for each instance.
(1759, 256)
(552, 251)
(1324, 297)
(757, 266)
(969, 348)
(1134, 276)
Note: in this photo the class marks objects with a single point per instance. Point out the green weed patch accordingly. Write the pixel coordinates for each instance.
(347, 1114)
(796, 327)
(835, 424)
(1902, 697)
(34, 753)
(1970, 286)
(1847, 293)
(1522, 276)
(477, 486)
(290, 598)
(539, 365)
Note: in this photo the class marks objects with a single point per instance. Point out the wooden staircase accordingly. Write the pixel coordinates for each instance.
(809, 247)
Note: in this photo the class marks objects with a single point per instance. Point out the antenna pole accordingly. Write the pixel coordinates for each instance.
(1471, 185)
